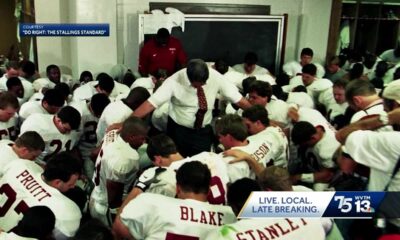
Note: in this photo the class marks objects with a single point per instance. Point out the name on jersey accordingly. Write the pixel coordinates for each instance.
(261, 152)
(272, 231)
(27, 180)
(204, 217)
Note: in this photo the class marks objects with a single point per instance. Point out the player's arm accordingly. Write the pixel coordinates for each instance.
(372, 123)
(243, 103)
(144, 109)
(120, 230)
(142, 184)
(323, 176)
(243, 156)
(366, 124)
(114, 192)
(132, 195)
(140, 112)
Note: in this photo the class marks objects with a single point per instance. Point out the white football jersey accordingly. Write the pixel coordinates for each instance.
(87, 129)
(278, 111)
(30, 108)
(3, 83)
(239, 170)
(321, 154)
(115, 112)
(22, 187)
(336, 109)
(85, 92)
(258, 70)
(54, 140)
(8, 130)
(7, 153)
(43, 83)
(219, 174)
(165, 183)
(259, 148)
(28, 89)
(38, 96)
(153, 216)
(276, 139)
(119, 89)
(145, 82)
(267, 228)
(294, 68)
(373, 109)
(301, 99)
(13, 236)
(117, 162)
(315, 118)
(380, 152)
(235, 77)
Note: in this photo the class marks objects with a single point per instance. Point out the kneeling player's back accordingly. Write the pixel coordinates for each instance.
(153, 216)
(23, 187)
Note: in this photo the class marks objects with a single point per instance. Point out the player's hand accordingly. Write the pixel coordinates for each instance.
(113, 126)
(295, 178)
(237, 154)
(148, 178)
(293, 114)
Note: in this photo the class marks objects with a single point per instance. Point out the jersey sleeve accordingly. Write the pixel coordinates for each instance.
(238, 170)
(378, 150)
(122, 165)
(227, 89)
(165, 91)
(69, 222)
(137, 216)
(32, 123)
(25, 110)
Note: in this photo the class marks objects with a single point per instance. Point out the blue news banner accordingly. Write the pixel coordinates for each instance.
(63, 30)
(316, 204)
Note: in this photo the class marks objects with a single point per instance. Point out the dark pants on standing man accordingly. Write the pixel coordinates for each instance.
(190, 141)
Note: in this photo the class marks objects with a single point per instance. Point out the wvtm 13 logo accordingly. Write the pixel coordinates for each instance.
(362, 204)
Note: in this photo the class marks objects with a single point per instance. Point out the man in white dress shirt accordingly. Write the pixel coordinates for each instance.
(192, 92)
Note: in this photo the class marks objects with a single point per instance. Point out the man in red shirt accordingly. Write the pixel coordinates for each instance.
(163, 51)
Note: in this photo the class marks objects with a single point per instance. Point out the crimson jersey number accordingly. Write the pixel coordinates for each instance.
(11, 195)
(98, 168)
(216, 184)
(173, 236)
(58, 144)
